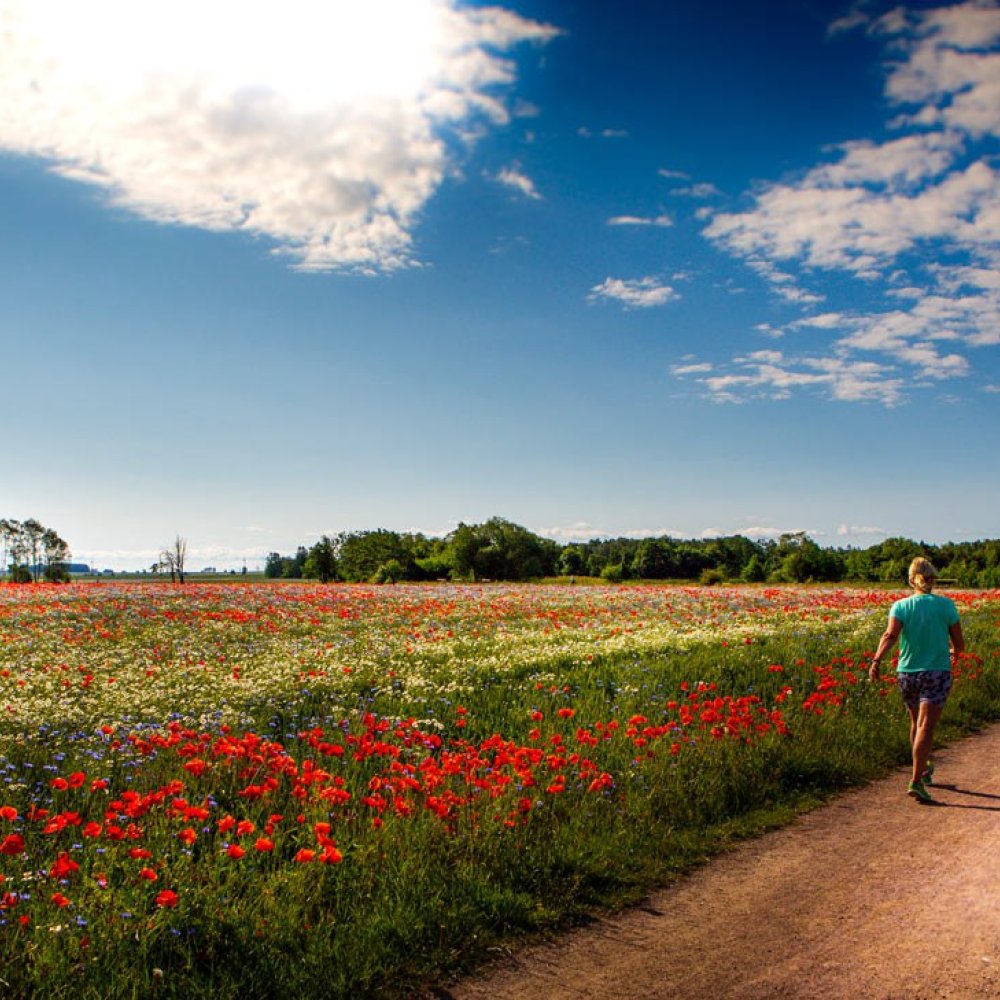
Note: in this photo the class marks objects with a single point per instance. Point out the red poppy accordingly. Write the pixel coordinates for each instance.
(147, 874)
(12, 844)
(167, 898)
(263, 844)
(235, 851)
(8, 813)
(59, 899)
(304, 855)
(63, 866)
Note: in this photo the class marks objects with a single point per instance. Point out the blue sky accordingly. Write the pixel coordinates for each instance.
(281, 270)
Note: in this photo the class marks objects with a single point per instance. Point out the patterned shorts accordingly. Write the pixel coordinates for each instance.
(931, 686)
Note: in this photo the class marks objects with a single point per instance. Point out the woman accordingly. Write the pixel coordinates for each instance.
(924, 624)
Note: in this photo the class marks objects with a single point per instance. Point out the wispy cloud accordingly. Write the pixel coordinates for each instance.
(673, 175)
(323, 129)
(696, 368)
(514, 178)
(858, 530)
(640, 220)
(771, 375)
(640, 293)
(702, 190)
(604, 133)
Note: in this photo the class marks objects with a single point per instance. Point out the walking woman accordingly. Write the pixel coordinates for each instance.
(924, 624)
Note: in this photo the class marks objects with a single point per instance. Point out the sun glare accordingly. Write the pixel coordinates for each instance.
(306, 52)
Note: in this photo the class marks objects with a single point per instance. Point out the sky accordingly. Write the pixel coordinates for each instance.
(276, 270)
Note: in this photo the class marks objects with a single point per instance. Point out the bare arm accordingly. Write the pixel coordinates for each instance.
(957, 639)
(888, 640)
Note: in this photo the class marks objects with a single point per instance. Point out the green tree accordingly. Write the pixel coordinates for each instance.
(321, 562)
(360, 554)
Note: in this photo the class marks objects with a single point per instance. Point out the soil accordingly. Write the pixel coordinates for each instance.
(872, 895)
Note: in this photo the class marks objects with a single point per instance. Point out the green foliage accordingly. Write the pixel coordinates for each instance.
(29, 551)
(321, 562)
(501, 550)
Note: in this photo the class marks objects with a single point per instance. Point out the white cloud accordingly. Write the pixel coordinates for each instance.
(771, 375)
(765, 531)
(640, 220)
(698, 368)
(915, 217)
(703, 190)
(673, 175)
(513, 177)
(634, 293)
(856, 529)
(322, 127)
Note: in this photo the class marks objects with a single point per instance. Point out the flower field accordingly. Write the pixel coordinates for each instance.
(347, 791)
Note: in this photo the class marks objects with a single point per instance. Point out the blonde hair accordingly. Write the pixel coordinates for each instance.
(922, 575)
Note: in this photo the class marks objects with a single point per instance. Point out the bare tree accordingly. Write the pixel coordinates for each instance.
(10, 530)
(173, 558)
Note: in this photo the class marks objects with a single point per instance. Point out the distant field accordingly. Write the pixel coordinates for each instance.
(344, 790)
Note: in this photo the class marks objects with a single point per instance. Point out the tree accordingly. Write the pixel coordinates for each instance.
(33, 532)
(29, 550)
(173, 559)
(56, 557)
(321, 562)
(361, 554)
(10, 532)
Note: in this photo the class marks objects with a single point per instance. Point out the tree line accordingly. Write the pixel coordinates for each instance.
(501, 550)
(30, 552)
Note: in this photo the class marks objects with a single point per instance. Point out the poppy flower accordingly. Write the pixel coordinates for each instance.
(63, 866)
(12, 844)
(167, 899)
(59, 899)
(235, 851)
(147, 874)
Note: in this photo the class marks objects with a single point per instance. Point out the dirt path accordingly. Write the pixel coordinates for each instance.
(872, 895)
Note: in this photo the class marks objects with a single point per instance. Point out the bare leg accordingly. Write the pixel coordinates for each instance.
(926, 721)
(913, 712)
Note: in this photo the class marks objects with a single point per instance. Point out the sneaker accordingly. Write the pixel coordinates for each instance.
(918, 792)
(928, 776)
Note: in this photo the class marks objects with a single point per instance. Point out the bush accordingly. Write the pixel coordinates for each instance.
(389, 572)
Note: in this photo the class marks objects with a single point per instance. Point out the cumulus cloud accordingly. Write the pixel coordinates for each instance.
(641, 293)
(321, 127)
(915, 218)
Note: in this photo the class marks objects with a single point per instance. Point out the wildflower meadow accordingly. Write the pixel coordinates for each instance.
(257, 790)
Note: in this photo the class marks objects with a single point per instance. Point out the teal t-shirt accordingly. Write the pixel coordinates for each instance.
(923, 644)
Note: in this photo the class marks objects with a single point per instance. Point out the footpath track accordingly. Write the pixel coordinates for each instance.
(872, 895)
